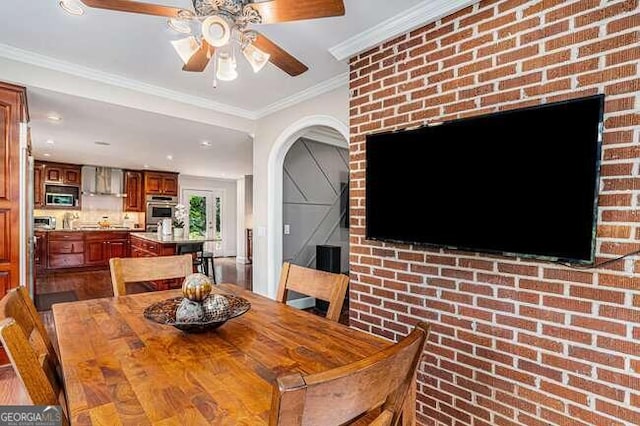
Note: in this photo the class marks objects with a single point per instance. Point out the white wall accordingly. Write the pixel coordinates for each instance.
(335, 105)
(229, 213)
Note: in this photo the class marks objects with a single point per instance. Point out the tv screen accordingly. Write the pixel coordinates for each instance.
(521, 182)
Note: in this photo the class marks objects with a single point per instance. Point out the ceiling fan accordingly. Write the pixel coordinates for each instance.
(219, 24)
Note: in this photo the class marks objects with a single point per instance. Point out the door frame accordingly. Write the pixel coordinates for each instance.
(210, 194)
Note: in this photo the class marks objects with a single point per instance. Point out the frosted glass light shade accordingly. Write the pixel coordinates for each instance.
(226, 67)
(256, 57)
(186, 47)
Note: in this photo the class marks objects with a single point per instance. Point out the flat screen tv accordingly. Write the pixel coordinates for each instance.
(519, 183)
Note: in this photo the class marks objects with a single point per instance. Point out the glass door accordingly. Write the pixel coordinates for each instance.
(205, 218)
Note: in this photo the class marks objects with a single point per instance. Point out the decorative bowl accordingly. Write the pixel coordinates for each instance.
(164, 312)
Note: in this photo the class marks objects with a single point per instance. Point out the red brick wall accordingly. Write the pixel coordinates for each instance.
(513, 342)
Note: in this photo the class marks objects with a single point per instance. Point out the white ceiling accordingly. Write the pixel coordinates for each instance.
(147, 107)
(137, 138)
(137, 46)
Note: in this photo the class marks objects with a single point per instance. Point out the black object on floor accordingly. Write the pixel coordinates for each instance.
(45, 300)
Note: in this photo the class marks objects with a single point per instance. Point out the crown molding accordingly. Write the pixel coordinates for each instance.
(47, 62)
(53, 64)
(309, 93)
(423, 13)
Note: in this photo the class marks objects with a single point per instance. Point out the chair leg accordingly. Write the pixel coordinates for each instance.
(205, 267)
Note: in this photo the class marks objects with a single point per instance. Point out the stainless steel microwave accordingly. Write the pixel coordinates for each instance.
(59, 200)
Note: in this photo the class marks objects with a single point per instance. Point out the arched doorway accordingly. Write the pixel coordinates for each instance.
(275, 183)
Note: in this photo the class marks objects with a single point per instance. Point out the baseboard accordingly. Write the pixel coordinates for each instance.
(303, 303)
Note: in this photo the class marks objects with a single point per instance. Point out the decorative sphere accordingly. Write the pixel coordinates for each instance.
(196, 287)
(189, 311)
(216, 307)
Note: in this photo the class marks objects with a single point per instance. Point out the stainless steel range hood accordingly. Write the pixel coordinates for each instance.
(102, 181)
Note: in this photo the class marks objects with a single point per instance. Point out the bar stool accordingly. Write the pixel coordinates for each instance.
(197, 260)
(205, 258)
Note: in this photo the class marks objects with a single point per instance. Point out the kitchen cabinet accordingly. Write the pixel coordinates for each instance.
(79, 249)
(134, 188)
(102, 246)
(38, 185)
(65, 250)
(141, 247)
(39, 252)
(160, 183)
(62, 174)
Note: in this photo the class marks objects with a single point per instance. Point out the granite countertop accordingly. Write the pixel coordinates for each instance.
(170, 239)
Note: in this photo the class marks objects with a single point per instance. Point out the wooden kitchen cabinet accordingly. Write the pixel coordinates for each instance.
(81, 249)
(38, 185)
(65, 250)
(134, 188)
(39, 252)
(102, 246)
(161, 183)
(62, 174)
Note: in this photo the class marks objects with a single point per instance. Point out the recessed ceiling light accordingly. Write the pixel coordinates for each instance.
(54, 117)
(50, 142)
(71, 7)
(205, 143)
(101, 143)
(169, 157)
(46, 154)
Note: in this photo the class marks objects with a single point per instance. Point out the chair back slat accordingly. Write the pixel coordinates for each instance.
(338, 396)
(327, 286)
(141, 269)
(30, 350)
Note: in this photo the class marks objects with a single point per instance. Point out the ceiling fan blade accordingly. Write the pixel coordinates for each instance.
(199, 61)
(134, 7)
(295, 10)
(279, 57)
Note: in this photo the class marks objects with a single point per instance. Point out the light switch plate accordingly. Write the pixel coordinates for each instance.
(287, 229)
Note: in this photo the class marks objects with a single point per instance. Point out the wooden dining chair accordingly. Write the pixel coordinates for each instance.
(373, 388)
(141, 269)
(30, 350)
(327, 286)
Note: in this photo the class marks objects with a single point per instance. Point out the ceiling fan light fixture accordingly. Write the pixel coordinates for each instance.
(179, 25)
(226, 67)
(256, 57)
(186, 47)
(72, 7)
(216, 31)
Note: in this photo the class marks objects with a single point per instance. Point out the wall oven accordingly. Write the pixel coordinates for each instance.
(160, 207)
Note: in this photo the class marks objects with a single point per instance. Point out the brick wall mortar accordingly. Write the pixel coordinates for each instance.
(514, 341)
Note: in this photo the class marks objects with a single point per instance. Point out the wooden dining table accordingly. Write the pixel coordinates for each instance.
(121, 368)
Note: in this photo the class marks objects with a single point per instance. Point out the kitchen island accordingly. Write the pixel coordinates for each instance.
(145, 244)
(150, 244)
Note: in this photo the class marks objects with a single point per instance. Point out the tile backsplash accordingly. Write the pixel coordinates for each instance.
(94, 209)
